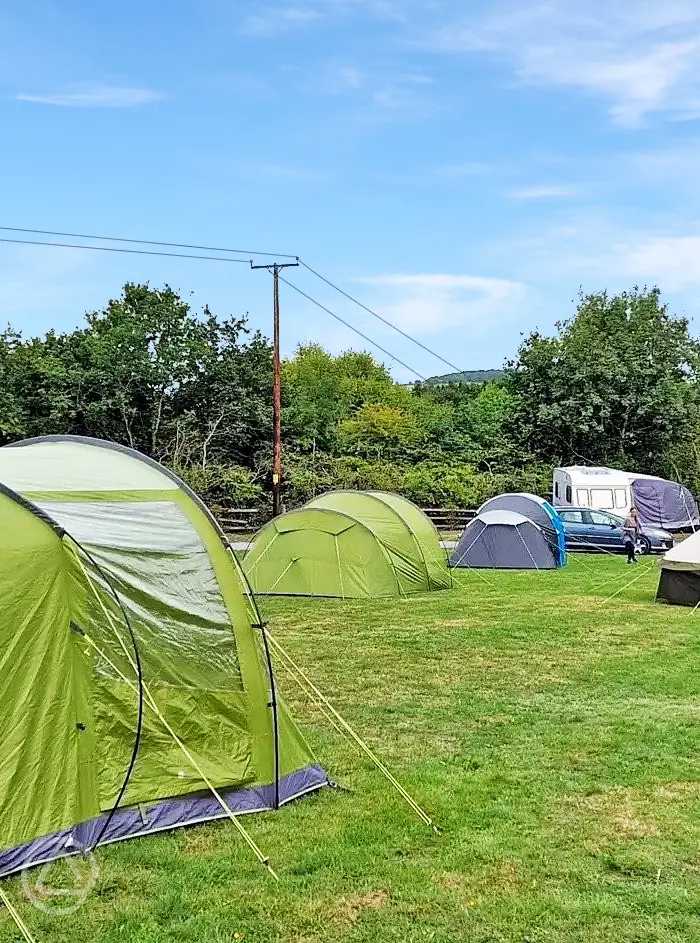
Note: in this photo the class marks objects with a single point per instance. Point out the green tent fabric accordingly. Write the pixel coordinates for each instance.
(67, 716)
(351, 544)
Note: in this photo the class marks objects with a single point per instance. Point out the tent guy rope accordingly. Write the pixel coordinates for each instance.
(14, 913)
(420, 812)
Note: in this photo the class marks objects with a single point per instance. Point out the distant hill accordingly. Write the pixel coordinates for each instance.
(465, 376)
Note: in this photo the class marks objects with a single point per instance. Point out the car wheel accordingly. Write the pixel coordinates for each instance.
(644, 545)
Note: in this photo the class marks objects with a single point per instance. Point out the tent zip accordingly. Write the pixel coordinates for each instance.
(262, 858)
(139, 676)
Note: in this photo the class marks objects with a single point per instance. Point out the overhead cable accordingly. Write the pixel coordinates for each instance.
(375, 314)
(146, 242)
(167, 255)
(351, 327)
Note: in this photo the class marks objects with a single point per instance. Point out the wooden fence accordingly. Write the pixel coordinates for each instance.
(247, 520)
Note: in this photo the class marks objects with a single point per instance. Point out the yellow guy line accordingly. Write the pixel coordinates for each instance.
(21, 925)
(355, 737)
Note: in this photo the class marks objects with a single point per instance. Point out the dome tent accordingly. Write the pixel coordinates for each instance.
(503, 540)
(539, 512)
(349, 544)
(679, 582)
(97, 536)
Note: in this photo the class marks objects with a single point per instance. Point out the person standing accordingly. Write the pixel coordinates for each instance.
(631, 530)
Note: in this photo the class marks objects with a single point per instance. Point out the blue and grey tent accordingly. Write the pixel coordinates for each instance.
(504, 540)
(537, 510)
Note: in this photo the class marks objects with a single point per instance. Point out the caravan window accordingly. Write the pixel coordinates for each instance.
(568, 494)
(556, 489)
(582, 497)
(620, 497)
(602, 498)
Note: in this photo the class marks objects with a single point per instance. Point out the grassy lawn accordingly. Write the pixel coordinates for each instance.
(551, 733)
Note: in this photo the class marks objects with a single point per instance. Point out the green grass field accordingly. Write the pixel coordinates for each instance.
(551, 731)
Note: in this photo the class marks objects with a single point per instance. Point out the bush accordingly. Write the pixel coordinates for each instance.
(224, 486)
(428, 484)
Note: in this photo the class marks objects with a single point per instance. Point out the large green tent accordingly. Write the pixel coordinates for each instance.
(351, 544)
(109, 560)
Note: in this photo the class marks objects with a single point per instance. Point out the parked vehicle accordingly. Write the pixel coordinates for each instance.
(587, 486)
(593, 530)
(660, 503)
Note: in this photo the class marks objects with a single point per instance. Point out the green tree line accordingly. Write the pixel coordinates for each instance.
(616, 384)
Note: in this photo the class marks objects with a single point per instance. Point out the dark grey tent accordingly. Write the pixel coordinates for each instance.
(679, 583)
(664, 503)
(505, 540)
(538, 511)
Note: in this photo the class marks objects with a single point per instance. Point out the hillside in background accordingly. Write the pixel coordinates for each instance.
(465, 376)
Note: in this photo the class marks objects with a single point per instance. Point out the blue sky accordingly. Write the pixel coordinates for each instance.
(465, 168)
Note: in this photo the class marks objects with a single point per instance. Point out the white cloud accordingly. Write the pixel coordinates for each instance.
(94, 96)
(375, 90)
(543, 191)
(350, 77)
(427, 303)
(276, 20)
(639, 61)
(672, 262)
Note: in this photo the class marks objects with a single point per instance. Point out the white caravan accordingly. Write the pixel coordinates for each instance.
(588, 486)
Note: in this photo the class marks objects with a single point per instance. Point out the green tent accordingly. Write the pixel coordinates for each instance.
(109, 560)
(352, 544)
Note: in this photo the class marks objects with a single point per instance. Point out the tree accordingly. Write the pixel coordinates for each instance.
(319, 390)
(379, 431)
(616, 385)
(148, 372)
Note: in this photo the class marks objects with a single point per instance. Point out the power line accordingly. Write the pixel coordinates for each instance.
(167, 255)
(213, 258)
(352, 328)
(146, 242)
(381, 318)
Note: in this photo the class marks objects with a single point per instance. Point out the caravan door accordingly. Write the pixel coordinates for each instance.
(561, 489)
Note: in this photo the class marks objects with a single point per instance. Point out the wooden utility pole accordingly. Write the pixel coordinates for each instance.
(274, 269)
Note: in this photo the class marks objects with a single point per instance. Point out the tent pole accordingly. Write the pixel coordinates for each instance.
(421, 813)
(473, 569)
(526, 547)
(262, 858)
(340, 568)
(273, 707)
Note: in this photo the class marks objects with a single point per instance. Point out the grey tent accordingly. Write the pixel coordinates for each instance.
(679, 583)
(664, 503)
(538, 511)
(504, 540)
